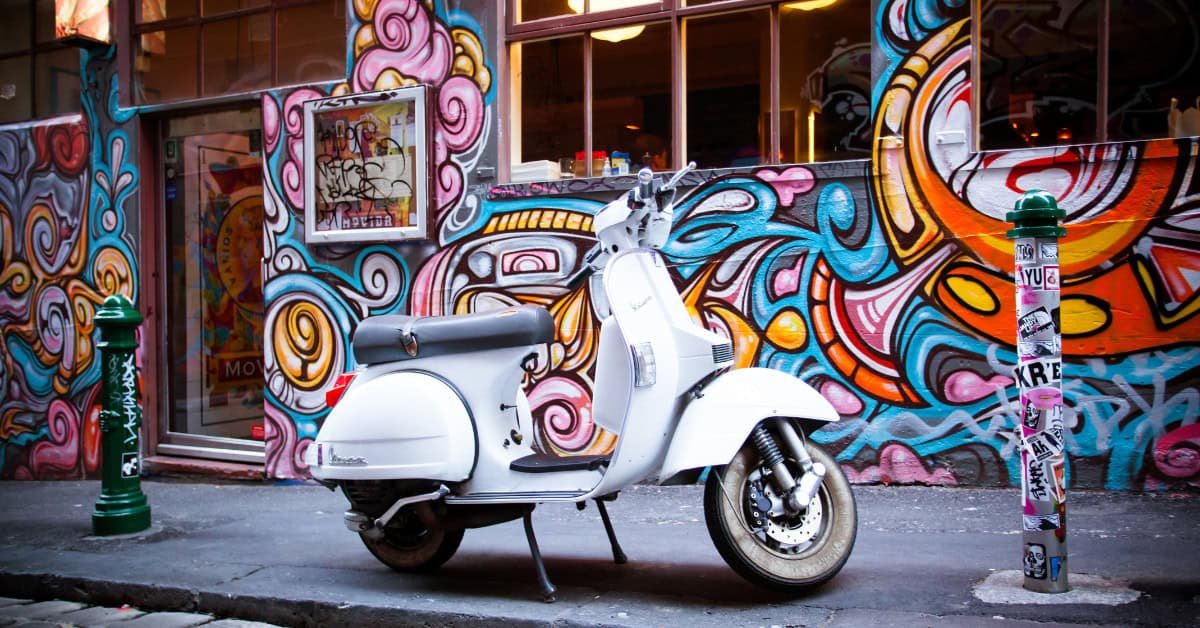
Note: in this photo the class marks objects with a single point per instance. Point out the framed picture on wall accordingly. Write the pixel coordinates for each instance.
(366, 167)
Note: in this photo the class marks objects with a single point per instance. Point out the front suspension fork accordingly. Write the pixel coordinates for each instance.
(797, 494)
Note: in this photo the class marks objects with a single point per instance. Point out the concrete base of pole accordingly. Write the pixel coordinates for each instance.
(120, 514)
(1006, 587)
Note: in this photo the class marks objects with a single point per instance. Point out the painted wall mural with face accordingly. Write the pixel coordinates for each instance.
(315, 297)
(66, 191)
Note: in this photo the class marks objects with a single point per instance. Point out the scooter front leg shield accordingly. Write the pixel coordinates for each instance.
(715, 425)
(399, 425)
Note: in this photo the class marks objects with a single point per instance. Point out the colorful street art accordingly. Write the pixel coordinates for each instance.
(64, 246)
(315, 297)
(885, 283)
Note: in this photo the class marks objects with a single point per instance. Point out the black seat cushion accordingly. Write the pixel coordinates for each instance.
(380, 338)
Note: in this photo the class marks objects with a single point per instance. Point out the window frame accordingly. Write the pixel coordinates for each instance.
(31, 54)
(672, 11)
(1102, 68)
(128, 30)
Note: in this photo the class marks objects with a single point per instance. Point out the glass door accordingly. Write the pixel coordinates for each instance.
(213, 215)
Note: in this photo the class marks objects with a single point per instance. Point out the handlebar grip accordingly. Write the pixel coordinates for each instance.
(679, 175)
(575, 281)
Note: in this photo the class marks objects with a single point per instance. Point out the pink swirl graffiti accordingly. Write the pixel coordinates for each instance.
(566, 412)
(460, 111)
(412, 43)
(271, 122)
(58, 458)
(794, 181)
(293, 117)
(899, 464)
(285, 450)
(56, 329)
(1177, 454)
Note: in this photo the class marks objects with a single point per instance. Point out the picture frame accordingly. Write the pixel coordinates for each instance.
(366, 166)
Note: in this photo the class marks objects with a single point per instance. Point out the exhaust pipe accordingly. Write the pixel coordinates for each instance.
(373, 528)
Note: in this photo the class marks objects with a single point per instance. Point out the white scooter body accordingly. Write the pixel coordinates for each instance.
(662, 383)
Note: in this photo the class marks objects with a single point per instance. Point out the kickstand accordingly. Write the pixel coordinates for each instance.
(548, 589)
(618, 555)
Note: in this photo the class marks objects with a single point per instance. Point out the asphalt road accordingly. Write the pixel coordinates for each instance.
(280, 554)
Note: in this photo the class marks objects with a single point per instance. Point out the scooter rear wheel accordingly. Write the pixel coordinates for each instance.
(408, 546)
(786, 553)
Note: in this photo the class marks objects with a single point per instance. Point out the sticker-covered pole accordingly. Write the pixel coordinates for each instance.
(122, 507)
(1039, 380)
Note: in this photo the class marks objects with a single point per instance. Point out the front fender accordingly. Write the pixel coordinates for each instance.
(713, 427)
(402, 425)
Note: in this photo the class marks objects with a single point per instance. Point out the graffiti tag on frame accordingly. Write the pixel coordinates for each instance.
(366, 169)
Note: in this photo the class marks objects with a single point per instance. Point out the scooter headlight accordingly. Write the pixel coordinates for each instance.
(644, 368)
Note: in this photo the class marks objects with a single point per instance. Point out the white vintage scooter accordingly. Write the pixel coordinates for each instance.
(432, 436)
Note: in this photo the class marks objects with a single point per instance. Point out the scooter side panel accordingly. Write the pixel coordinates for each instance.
(400, 425)
(716, 425)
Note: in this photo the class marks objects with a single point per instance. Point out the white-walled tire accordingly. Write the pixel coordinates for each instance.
(791, 555)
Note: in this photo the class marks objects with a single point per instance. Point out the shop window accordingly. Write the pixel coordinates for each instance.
(39, 77)
(824, 82)
(1151, 84)
(203, 48)
(1073, 72)
(728, 88)
(631, 99)
(606, 87)
(532, 10)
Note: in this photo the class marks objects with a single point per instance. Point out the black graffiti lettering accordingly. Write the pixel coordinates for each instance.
(1039, 486)
(346, 170)
(1034, 374)
(1033, 277)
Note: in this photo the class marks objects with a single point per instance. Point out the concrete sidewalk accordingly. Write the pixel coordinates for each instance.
(278, 553)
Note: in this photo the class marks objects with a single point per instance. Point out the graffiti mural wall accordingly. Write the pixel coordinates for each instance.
(316, 296)
(886, 283)
(66, 191)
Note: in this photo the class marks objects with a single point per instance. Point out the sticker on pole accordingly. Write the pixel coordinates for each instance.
(1048, 251)
(1037, 486)
(1040, 523)
(1035, 561)
(1050, 277)
(1034, 322)
(130, 465)
(1025, 251)
(1037, 373)
(1043, 446)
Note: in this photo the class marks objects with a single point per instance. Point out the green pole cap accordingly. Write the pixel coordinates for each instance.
(1036, 215)
(117, 311)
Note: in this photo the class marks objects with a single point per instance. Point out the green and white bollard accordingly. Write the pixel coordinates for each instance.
(1039, 379)
(122, 507)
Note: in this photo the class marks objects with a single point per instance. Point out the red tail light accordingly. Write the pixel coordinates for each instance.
(339, 387)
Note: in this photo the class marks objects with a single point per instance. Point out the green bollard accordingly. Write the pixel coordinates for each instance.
(1039, 379)
(122, 507)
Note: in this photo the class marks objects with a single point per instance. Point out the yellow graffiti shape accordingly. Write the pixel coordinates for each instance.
(788, 330)
(468, 58)
(304, 344)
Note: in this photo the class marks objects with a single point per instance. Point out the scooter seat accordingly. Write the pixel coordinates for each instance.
(387, 338)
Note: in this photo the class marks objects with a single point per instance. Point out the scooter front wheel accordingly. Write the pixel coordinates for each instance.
(407, 545)
(766, 545)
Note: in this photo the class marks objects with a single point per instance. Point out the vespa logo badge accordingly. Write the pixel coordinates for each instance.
(336, 460)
